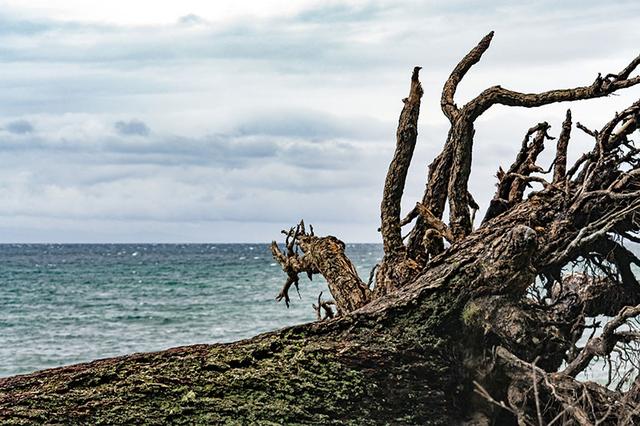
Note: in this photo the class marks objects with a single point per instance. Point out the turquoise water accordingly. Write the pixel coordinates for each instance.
(63, 304)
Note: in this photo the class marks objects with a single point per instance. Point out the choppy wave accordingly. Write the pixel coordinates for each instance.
(62, 304)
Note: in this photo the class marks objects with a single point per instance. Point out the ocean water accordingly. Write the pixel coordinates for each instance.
(66, 303)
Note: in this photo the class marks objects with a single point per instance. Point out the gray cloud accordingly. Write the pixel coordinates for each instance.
(19, 127)
(131, 127)
(313, 125)
(341, 37)
(191, 19)
(260, 121)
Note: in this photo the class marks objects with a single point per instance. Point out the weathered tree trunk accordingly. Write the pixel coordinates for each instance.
(400, 359)
(483, 332)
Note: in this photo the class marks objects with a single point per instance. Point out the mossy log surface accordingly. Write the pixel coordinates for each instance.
(320, 373)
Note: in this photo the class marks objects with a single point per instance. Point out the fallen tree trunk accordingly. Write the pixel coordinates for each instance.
(485, 331)
(400, 359)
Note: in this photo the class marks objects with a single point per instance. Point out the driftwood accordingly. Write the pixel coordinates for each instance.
(461, 326)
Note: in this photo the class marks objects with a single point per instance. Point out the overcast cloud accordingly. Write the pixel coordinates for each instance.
(130, 121)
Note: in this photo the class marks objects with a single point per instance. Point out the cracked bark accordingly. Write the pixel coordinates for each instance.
(477, 332)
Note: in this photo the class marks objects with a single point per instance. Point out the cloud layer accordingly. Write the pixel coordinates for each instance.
(202, 125)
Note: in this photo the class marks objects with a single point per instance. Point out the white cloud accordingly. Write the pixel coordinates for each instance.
(245, 114)
(149, 11)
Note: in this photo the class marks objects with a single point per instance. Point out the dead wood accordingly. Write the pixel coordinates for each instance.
(566, 234)
(492, 325)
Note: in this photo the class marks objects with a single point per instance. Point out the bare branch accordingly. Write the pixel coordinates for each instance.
(433, 222)
(582, 403)
(409, 217)
(396, 176)
(599, 88)
(511, 185)
(589, 132)
(480, 390)
(594, 295)
(459, 145)
(560, 168)
(603, 344)
(321, 255)
(449, 90)
(323, 305)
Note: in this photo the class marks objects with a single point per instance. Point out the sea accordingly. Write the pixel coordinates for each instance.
(63, 304)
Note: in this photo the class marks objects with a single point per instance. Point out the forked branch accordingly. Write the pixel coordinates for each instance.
(460, 143)
(321, 255)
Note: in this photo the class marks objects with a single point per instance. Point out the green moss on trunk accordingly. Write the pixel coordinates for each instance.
(374, 371)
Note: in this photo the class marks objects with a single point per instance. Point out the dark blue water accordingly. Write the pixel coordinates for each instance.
(62, 304)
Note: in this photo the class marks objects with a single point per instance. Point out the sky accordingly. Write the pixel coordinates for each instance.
(227, 121)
